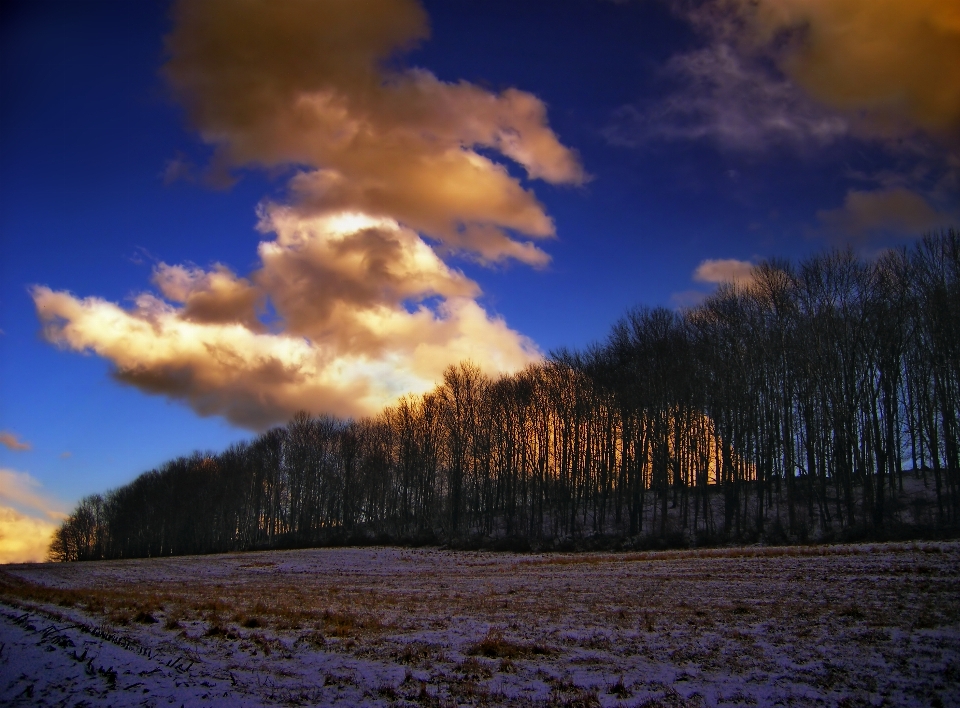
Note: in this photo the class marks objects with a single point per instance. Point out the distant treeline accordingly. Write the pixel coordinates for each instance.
(804, 404)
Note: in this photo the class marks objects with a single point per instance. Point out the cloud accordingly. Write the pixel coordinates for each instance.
(355, 332)
(798, 72)
(27, 518)
(889, 66)
(317, 85)
(726, 99)
(13, 442)
(714, 271)
(23, 539)
(22, 491)
(724, 270)
(897, 211)
(895, 63)
(391, 171)
(215, 296)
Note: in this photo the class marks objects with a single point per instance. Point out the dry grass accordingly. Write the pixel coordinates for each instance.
(652, 598)
(495, 646)
(610, 589)
(595, 613)
(734, 552)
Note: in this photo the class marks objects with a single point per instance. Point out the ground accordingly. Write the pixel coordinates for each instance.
(851, 625)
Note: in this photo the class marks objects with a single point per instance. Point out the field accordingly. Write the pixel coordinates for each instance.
(832, 625)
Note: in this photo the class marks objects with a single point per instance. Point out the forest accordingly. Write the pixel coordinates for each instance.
(815, 401)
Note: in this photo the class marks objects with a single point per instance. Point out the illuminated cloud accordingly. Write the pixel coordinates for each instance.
(724, 270)
(714, 271)
(889, 66)
(894, 63)
(352, 304)
(22, 490)
(215, 296)
(355, 332)
(27, 518)
(807, 72)
(23, 539)
(312, 84)
(895, 211)
(12, 442)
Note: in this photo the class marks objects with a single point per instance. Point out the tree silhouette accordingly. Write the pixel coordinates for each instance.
(816, 400)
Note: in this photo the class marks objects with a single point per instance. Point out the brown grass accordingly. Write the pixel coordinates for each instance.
(613, 604)
(495, 646)
(733, 552)
(146, 603)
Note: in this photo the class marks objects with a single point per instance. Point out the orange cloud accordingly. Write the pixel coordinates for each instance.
(12, 442)
(23, 539)
(803, 73)
(210, 296)
(307, 83)
(892, 64)
(27, 518)
(386, 157)
(724, 270)
(355, 335)
(896, 210)
(715, 271)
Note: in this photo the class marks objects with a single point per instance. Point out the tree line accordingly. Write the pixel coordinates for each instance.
(812, 401)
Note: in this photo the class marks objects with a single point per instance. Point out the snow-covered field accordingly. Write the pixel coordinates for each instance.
(839, 625)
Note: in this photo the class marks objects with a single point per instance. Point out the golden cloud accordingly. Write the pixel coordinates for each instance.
(890, 62)
(896, 210)
(308, 83)
(210, 296)
(724, 270)
(23, 539)
(366, 309)
(27, 518)
(352, 337)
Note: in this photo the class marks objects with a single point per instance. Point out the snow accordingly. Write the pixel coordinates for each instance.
(874, 624)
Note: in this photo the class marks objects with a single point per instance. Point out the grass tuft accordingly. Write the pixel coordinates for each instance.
(144, 617)
(495, 646)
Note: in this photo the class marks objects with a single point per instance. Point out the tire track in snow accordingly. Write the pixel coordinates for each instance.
(47, 662)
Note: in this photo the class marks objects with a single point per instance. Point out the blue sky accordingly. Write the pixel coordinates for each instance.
(677, 143)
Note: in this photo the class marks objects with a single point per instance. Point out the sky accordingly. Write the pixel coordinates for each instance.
(216, 213)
